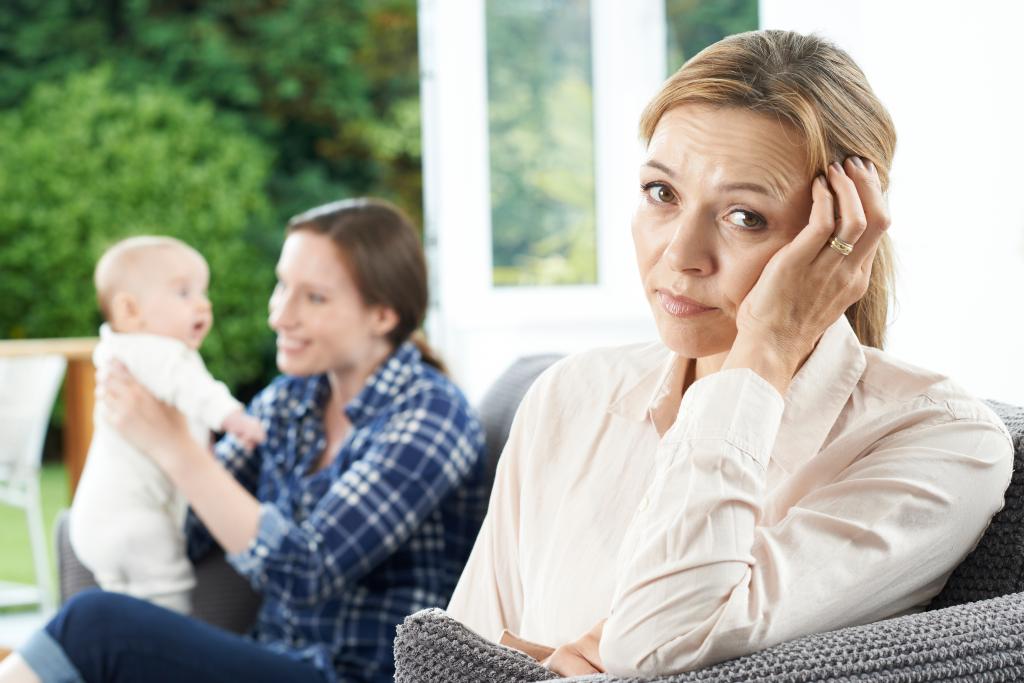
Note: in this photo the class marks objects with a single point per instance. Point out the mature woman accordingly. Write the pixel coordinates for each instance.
(359, 508)
(766, 470)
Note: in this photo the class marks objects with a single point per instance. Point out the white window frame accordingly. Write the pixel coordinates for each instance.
(481, 328)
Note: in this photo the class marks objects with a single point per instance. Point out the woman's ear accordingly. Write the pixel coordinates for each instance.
(384, 319)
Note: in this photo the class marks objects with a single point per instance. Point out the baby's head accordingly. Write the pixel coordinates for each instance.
(155, 285)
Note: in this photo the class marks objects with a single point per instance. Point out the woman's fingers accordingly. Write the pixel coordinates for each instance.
(852, 222)
(869, 187)
(807, 244)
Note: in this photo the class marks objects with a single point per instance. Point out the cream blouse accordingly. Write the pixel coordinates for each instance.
(726, 520)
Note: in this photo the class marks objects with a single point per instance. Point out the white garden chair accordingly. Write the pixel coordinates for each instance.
(28, 388)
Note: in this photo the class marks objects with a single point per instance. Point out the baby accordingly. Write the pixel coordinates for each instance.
(127, 518)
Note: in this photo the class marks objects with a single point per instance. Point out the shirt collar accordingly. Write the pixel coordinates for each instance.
(312, 394)
(815, 398)
(385, 383)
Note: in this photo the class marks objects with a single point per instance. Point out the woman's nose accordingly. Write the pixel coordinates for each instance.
(689, 248)
(281, 313)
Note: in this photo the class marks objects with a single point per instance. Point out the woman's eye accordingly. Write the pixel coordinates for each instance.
(658, 193)
(315, 298)
(745, 219)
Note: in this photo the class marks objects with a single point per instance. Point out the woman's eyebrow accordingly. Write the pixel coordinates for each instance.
(749, 187)
(661, 167)
(725, 187)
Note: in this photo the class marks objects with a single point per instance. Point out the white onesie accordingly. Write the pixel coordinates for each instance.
(127, 518)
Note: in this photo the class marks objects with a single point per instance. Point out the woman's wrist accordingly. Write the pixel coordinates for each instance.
(776, 365)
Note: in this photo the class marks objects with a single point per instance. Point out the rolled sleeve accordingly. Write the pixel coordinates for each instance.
(736, 406)
(409, 466)
(273, 527)
(690, 544)
(707, 575)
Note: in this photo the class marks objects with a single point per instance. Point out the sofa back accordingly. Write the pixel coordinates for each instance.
(994, 568)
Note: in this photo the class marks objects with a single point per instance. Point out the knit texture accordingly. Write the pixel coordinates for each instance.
(957, 639)
(977, 642)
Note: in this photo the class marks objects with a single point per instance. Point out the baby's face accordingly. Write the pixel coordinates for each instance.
(174, 302)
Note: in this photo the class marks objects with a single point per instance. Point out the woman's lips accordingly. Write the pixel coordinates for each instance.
(290, 345)
(681, 307)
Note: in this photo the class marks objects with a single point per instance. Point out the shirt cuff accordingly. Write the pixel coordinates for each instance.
(735, 405)
(272, 529)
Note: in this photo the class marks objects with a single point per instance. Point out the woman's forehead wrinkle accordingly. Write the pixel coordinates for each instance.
(729, 146)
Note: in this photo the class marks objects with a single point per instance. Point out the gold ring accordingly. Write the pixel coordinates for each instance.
(842, 247)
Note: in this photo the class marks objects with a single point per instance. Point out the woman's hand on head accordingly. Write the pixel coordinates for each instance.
(152, 426)
(807, 284)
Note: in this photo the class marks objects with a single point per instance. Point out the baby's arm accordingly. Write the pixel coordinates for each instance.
(246, 428)
(177, 375)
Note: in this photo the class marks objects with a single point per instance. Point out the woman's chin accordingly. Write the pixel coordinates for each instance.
(690, 343)
(289, 365)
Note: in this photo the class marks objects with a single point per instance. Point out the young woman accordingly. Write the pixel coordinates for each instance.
(764, 471)
(359, 508)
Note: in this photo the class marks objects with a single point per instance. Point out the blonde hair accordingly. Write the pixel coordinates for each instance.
(814, 86)
(120, 266)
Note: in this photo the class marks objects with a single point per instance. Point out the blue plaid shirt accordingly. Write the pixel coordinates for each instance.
(344, 554)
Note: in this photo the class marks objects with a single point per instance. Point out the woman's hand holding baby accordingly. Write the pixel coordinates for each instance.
(808, 284)
(246, 428)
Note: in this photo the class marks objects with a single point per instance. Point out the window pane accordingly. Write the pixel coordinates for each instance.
(541, 142)
(694, 24)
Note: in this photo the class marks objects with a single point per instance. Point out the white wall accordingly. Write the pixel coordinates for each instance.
(950, 74)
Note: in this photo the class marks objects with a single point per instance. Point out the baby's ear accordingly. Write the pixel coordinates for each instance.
(124, 311)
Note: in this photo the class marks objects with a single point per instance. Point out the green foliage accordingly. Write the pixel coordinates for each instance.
(695, 24)
(331, 87)
(542, 147)
(86, 164)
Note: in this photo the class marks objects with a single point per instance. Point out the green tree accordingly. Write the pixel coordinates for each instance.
(695, 24)
(540, 108)
(331, 87)
(85, 164)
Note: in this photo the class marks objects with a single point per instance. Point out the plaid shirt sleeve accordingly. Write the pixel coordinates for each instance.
(243, 465)
(423, 451)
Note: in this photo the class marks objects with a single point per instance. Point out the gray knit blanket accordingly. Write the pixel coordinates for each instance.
(978, 642)
(963, 638)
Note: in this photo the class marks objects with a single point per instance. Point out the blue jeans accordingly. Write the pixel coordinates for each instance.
(101, 637)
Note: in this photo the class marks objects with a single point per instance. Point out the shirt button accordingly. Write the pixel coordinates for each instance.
(643, 504)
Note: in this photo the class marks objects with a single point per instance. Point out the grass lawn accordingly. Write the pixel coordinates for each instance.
(15, 551)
